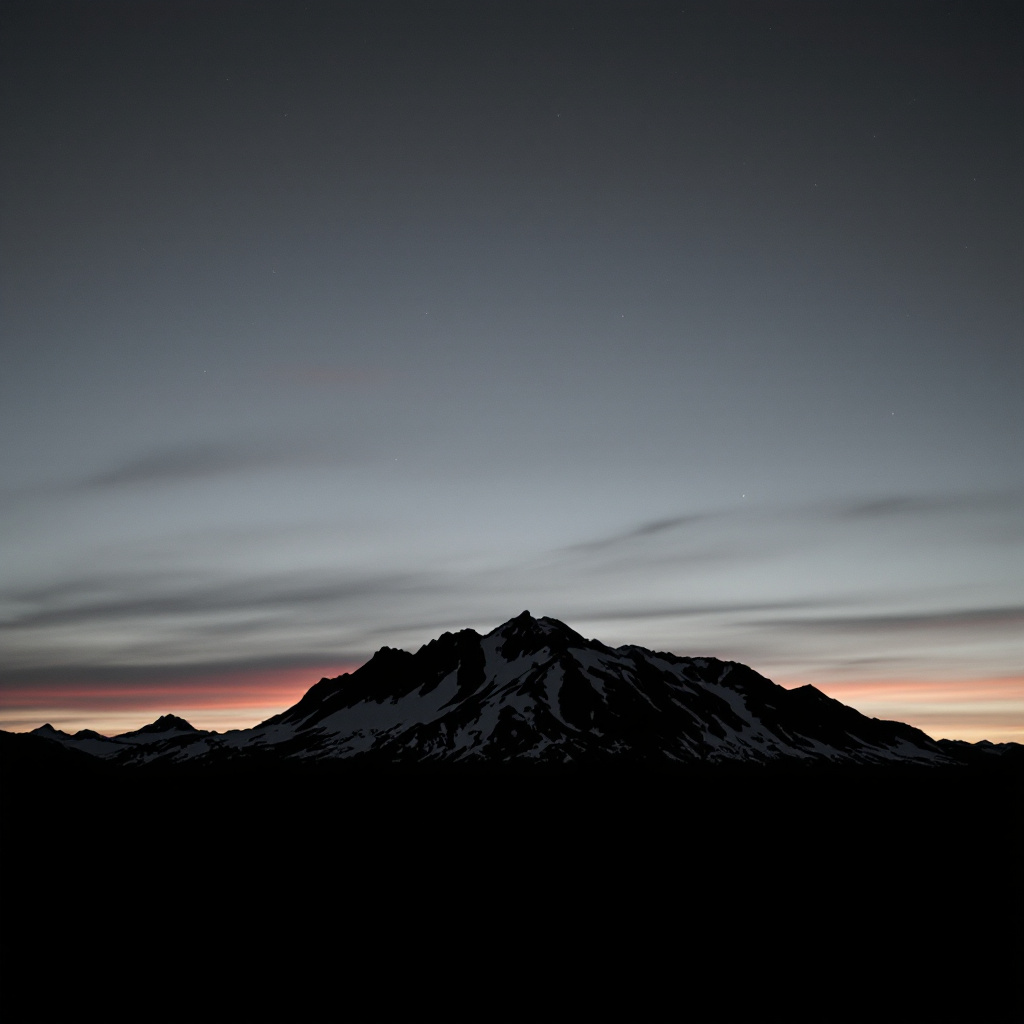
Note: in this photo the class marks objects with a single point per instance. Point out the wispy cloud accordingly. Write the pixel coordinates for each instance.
(109, 599)
(646, 529)
(727, 609)
(1002, 618)
(751, 530)
(183, 464)
(109, 680)
(915, 506)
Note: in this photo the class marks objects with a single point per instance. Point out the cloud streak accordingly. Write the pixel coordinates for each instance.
(184, 464)
(999, 618)
(915, 506)
(135, 599)
(644, 530)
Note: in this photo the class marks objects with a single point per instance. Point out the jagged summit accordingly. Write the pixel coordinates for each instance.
(524, 634)
(165, 723)
(524, 622)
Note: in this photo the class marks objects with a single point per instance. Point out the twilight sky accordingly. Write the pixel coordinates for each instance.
(329, 326)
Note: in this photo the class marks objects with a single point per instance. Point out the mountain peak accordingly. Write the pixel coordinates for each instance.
(526, 623)
(47, 730)
(525, 634)
(168, 723)
(525, 628)
(809, 692)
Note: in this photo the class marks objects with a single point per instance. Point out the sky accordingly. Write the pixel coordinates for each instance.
(330, 326)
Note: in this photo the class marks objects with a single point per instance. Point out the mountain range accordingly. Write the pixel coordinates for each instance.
(320, 865)
(534, 690)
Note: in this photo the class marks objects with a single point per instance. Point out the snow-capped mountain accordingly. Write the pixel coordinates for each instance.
(534, 689)
(167, 733)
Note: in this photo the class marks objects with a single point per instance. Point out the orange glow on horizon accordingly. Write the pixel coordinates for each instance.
(969, 709)
(219, 701)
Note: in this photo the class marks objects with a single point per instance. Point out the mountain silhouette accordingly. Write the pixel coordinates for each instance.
(535, 690)
(521, 825)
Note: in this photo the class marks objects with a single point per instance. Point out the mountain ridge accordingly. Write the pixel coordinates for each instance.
(535, 690)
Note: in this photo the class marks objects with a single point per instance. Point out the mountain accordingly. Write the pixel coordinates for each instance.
(645, 894)
(158, 740)
(535, 690)
(163, 726)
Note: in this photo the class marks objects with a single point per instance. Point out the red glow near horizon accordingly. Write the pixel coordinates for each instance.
(971, 709)
(216, 700)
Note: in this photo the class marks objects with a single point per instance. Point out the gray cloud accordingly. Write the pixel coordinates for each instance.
(103, 601)
(920, 505)
(648, 529)
(1011, 617)
(182, 465)
(135, 676)
(695, 610)
(753, 530)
